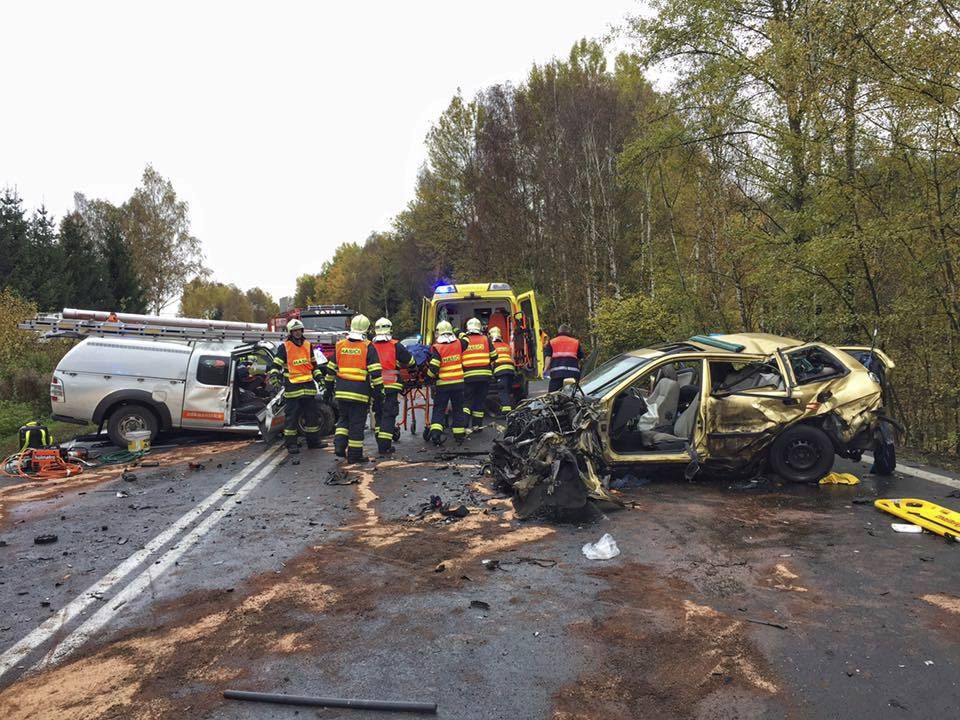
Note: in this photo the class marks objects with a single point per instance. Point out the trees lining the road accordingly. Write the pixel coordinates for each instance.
(800, 176)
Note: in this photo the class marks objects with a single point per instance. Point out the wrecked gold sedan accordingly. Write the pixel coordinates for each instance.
(734, 401)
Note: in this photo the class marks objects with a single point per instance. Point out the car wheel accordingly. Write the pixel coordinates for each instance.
(129, 418)
(326, 419)
(802, 454)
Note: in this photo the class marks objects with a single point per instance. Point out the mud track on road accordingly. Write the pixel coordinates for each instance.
(206, 641)
(171, 460)
(665, 633)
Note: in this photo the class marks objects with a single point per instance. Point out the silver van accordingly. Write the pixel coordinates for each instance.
(158, 385)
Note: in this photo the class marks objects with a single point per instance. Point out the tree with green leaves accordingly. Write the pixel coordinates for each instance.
(158, 232)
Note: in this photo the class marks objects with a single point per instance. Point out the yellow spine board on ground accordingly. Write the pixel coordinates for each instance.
(936, 519)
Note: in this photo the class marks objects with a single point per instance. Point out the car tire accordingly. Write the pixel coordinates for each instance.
(129, 417)
(326, 419)
(802, 454)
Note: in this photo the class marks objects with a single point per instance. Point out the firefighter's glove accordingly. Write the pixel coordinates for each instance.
(327, 394)
(275, 380)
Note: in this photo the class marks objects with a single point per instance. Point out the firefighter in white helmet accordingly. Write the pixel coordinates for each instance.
(354, 373)
(393, 356)
(478, 359)
(446, 367)
(298, 366)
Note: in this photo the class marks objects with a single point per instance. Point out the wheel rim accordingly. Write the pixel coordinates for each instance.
(802, 455)
(131, 423)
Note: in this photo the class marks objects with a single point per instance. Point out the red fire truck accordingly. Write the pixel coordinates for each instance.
(322, 318)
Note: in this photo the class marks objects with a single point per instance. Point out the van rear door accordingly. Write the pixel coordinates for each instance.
(528, 306)
(426, 322)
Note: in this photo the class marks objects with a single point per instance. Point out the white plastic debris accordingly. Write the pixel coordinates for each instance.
(603, 549)
(906, 528)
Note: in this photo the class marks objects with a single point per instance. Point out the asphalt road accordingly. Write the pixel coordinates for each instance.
(253, 573)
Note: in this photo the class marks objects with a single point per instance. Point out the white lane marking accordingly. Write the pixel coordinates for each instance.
(54, 623)
(922, 474)
(106, 613)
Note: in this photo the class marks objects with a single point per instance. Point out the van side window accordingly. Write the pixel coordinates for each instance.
(213, 370)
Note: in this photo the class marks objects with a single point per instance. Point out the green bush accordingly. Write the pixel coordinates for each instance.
(635, 321)
(12, 416)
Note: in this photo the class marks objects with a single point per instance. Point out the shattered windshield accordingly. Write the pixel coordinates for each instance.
(611, 373)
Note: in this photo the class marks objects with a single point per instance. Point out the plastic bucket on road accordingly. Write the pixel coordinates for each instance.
(138, 440)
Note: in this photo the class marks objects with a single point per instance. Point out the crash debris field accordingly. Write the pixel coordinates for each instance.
(728, 599)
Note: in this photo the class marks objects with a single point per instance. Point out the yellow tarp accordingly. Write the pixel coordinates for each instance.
(836, 478)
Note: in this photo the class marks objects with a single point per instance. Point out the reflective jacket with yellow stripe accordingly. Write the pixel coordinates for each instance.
(298, 366)
(478, 357)
(354, 370)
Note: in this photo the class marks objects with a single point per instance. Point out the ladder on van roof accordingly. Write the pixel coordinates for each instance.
(55, 325)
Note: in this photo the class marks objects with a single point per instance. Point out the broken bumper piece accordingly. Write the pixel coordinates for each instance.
(550, 457)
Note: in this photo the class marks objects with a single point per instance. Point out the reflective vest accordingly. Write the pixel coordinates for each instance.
(351, 359)
(504, 362)
(565, 351)
(387, 350)
(451, 363)
(476, 358)
(299, 362)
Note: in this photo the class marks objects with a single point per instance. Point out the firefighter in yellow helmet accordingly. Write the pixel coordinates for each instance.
(354, 374)
(298, 366)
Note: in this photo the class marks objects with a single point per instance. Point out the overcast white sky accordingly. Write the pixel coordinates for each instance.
(284, 125)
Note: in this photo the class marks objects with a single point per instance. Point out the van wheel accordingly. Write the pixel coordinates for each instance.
(131, 417)
(802, 454)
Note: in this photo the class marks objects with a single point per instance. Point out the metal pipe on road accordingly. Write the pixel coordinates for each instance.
(353, 703)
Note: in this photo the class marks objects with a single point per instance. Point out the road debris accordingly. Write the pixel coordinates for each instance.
(629, 481)
(906, 528)
(448, 510)
(767, 623)
(550, 456)
(479, 605)
(341, 477)
(45, 539)
(603, 549)
(352, 703)
(539, 562)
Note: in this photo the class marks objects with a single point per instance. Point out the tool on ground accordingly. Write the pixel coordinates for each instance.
(34, 435)
(390, 705)
(40, 464)
(929, 516)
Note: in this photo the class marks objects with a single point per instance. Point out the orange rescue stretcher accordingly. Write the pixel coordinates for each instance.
(416, 397)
